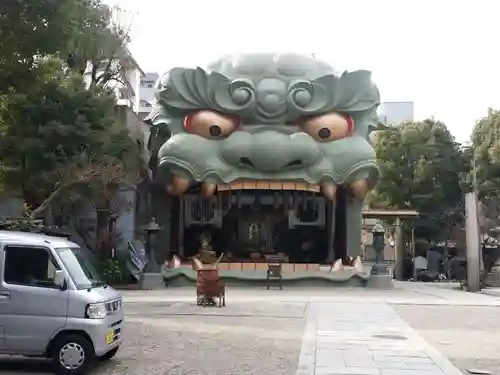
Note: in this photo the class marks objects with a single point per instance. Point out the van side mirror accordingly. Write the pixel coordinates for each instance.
(60, 279)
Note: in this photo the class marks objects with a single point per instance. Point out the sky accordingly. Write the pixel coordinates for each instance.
(441, 54)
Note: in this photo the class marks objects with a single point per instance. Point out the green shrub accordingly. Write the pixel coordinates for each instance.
(114, 271)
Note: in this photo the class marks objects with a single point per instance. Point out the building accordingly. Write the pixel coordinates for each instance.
(147, 94)
(126, 79)
(129, 92)
(393, 113)
(248, 198)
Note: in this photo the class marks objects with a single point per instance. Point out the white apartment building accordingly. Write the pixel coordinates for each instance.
(394, 113)
(147, 93)
(130, 74)
(130, 91)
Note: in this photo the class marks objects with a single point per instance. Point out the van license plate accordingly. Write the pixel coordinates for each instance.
(110, 336)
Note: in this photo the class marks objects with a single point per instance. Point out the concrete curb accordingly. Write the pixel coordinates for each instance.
(307, 359)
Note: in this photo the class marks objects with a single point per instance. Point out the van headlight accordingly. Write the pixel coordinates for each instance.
(95, 311)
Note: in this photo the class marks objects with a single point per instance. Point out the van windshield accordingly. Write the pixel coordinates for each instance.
(81, 271)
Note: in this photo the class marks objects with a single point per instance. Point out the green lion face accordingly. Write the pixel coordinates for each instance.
(264, 118)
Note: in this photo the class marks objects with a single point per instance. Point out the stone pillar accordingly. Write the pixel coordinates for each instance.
(181, 227)
(151, 277)
(161, 210)
(152, 266)
(473, 247)
(354, 224)
(399, 249)
(330, 206)
(126, 222)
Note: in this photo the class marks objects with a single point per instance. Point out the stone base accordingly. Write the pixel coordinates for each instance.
(380, 282)
(183, 277)
(149, 281)
(493, 277)
(493, 280)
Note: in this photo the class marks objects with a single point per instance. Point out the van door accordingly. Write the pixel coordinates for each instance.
(34, 308)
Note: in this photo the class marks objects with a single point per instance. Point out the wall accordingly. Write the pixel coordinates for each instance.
(126, 224)
(11, 207)
(139, 131)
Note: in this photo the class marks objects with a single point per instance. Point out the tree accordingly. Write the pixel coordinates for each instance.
(60, 144)
(101, 50)
(62, 148)
(39, 93)
(29, 29)
(58, 120)
(485, 154)
(420, 166)
(84, 33)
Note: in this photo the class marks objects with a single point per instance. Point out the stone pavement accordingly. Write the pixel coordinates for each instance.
(310, 331)
(468, 335)
(405, 293)
(365, 339)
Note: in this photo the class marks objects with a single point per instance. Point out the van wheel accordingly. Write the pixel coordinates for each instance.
(72, 355)
(107, 356)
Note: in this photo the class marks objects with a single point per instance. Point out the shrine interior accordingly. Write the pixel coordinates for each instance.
(250, 225)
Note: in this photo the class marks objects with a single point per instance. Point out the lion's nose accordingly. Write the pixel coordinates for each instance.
(265, 165)
(272, 152)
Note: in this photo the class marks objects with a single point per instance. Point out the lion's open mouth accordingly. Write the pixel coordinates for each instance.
(179, 185)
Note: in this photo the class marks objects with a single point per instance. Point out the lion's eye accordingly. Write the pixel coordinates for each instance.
(210, 124)
(328, 127)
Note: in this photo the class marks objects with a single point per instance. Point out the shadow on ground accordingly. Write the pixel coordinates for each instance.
(34, 366)
(24, 365)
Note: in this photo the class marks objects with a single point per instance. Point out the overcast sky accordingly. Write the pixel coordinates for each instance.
(442, 54)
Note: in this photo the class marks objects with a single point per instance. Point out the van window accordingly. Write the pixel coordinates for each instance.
(79, 268)
(33, 266)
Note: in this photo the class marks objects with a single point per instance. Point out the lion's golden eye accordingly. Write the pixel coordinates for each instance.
(328, 127)
(210, 124)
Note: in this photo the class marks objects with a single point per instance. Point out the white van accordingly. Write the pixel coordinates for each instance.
(53, 304)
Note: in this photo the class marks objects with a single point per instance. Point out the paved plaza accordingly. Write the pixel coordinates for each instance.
(414, 329)
(341, 338)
